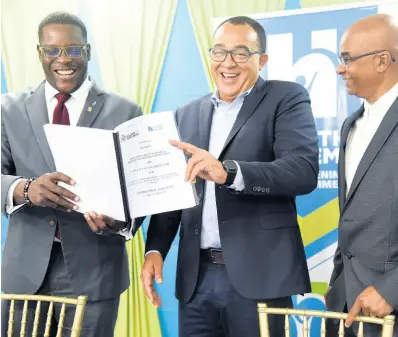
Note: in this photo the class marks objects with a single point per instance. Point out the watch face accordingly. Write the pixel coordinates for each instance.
(230, 166)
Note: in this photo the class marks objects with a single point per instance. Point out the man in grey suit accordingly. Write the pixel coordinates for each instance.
(50, 249)
(365, 275)
(253, 148)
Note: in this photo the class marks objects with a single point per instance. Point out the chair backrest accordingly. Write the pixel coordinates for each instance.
(263, 311)
(80, 304)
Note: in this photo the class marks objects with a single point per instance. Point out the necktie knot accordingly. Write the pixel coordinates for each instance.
(62, 98)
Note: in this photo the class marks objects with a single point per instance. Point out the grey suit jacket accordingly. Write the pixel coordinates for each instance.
(367, 252)
(274, 141)
(97, 265)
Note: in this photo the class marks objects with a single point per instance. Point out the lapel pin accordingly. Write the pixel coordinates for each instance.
(90, 108)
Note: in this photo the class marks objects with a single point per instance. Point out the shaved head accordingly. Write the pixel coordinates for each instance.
(370, 76)
(376, 32)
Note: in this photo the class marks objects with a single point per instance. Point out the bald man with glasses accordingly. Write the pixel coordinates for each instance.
(365, 275)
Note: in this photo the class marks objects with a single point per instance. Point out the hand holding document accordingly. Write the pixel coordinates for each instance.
(127, 173)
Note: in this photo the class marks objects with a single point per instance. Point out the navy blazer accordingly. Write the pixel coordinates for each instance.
(275, 142)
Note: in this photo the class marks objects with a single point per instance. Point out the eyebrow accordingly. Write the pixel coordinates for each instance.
(345, 53)
(237, 46)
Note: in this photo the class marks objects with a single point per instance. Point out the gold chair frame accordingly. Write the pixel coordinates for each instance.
(263, 311)
(80, 304)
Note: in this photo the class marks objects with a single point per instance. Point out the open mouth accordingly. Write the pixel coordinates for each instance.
(229, 75)
(65, 72)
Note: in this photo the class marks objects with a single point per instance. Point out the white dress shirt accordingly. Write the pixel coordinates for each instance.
(364, 130)
(74, 104)
(224, 117)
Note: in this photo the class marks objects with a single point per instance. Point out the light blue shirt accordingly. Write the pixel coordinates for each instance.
(224, 117)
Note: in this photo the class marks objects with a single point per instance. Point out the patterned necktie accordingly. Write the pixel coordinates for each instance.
(61, 115)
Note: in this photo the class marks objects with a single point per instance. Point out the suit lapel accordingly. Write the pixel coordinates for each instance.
(93, 106)
(36, 108)
(250, 104)
(341, 168)
(387, 125)
(205, 121)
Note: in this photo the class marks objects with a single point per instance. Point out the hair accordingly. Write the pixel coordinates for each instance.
(62, 18)
(245, 20)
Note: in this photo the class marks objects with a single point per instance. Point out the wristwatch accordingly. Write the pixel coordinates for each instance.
(232, 169)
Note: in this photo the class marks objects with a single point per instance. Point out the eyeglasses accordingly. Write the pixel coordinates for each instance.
(239, 55)
(347, 60)
(70, 51)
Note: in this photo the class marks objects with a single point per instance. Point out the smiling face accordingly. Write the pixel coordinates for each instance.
(233, 78)
(63, 73)
(361, 76)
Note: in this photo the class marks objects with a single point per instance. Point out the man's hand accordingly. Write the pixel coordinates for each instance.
(45, 192)
(201, 164)
(371, 303)
(153, 268)
(99, 223)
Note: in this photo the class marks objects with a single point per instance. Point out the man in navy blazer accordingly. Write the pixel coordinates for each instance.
(253, 148)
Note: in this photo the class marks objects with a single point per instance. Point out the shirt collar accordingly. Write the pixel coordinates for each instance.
(79, 94)
(215, 98)
(384, 102)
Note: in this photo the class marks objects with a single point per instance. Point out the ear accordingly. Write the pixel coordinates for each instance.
(262, 61)
(383, 61)
(38, 52)
(88, 52)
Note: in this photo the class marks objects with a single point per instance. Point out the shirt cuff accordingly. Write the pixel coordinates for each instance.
(127, 232)
(239, 183)
(10, 208)
(152, 251)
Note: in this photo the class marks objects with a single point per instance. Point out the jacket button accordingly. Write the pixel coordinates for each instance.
(196, 231)
(51, 223)
(348, 256)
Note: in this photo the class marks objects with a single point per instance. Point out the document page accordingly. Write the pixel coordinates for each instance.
(88, 156)
(154, 170)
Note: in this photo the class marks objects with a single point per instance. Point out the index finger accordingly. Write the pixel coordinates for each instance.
(186, 147)
(147, 280)
(59, 176)
(355, 310)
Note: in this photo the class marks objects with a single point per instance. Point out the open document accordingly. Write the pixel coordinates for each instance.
(127, 173)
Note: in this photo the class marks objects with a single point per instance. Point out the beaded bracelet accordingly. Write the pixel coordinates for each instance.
(25, 192)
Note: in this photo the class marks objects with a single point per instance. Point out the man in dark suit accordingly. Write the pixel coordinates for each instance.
(50, 249)
(253, 148)
(365, 275)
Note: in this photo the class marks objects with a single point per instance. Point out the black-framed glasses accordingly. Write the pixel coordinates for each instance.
(239, 55)
(347, 60)
(70, 51)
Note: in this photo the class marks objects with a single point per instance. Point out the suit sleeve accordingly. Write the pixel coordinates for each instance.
(163, 228)
(162, 231)
(387, 287)
(7, 167)
(295, 168)
(338, 266)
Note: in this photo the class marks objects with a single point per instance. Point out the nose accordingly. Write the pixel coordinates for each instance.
(63, 57)
(229, 61)
(341, 68)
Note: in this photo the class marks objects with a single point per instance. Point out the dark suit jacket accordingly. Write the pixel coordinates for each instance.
(97, 265)
(275, 143)
(367, 252)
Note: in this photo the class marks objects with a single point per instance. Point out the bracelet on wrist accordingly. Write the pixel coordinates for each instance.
(25, 192)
